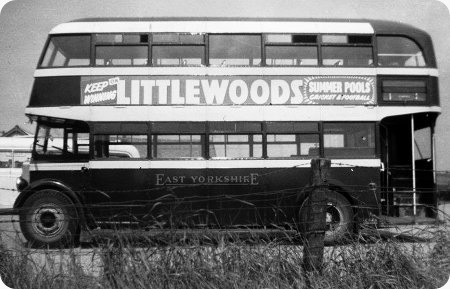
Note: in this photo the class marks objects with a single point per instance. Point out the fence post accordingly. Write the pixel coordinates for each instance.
(315, 226)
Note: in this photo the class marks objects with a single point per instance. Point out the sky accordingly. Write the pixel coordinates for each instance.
(24, 25)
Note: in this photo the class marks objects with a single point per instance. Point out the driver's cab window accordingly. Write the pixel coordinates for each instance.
(49, 141)
(61, 142)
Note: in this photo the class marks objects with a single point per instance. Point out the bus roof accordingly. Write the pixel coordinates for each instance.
(169, 24)
(230, 25)
(216, 25)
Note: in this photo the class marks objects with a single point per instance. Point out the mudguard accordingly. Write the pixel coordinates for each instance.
(50, 184)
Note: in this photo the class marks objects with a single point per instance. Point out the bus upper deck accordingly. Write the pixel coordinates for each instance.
(151, 68)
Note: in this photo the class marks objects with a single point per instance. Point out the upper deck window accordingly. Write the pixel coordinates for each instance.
(399, 51)
(178, 55)
(121, 49)
(178, 38)
(174, 49)
(67, 50)
(122, 38)
(121, 55)
(291, 50)
(234, 50)
(347, 50)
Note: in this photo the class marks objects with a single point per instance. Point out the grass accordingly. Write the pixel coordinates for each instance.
(220, 263)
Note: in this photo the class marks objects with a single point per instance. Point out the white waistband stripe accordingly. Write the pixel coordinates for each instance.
(200, 164)
(229, 71)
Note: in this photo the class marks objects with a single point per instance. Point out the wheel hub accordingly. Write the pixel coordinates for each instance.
(47, 220)
(332, 217)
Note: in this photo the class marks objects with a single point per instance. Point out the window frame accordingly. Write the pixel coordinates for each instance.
(297, 142)
(251, 143)
(375, 127)
(47, 43)
(267, 43)
(95, 43)
(203, 59)
(261, 51)
(154, 144)
(117, 134)
(65, 154)
(376, 50)
(332, 44)
(204, 44)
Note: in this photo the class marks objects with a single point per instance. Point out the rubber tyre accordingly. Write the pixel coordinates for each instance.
(339, 218)
(49, 219)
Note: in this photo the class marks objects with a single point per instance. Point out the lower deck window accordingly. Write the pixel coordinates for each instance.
(177, 146)
(292, 145)
(349, 140)
(235, 146)
(282, 140)
(121, 146)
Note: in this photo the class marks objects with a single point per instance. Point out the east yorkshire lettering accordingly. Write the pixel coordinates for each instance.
(140, 90)
(162, 179)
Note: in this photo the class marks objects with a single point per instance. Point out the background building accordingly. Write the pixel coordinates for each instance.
(15, 131)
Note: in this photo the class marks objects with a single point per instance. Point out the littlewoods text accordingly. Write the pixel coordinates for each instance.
(212, 91)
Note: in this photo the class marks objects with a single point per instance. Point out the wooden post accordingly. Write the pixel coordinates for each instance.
(316, 217)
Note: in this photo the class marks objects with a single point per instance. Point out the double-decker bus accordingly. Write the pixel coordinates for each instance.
(225, 116)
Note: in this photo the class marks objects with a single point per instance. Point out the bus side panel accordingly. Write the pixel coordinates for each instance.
(207, 197)
(152, 197)
(199, 197)
(355, 182)
(253, 196)
(72, 179)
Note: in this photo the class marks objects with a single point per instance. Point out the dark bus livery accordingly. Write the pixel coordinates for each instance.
(213, 123)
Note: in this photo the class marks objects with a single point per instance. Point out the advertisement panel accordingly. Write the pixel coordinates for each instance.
(228, 90)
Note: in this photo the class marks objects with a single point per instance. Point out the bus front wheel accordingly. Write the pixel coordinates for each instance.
(48, 218)
(339, 218)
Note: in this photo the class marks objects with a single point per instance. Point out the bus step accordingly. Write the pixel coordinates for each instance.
(407, 209)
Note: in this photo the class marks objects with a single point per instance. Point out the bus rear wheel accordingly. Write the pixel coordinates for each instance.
(48, 218)
(339, 218)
